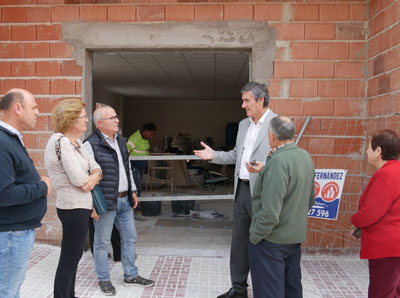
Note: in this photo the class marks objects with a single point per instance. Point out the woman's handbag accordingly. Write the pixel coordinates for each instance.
(99, 201)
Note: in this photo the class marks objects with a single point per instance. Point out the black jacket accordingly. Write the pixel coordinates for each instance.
(107, 158)
(23, 201)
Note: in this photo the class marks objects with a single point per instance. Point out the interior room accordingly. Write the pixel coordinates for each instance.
(191, 96)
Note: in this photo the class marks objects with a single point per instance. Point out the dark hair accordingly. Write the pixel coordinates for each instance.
(149, 127)
(258, 90)
(389, 141)
(9, 99)
(282, 127)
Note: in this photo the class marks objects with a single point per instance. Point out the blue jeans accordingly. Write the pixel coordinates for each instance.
(125, 223)
(15, 249)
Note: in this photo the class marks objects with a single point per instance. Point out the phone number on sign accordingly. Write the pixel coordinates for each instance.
(318, 213)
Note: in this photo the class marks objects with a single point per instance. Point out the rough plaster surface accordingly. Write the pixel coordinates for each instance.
(257, 37)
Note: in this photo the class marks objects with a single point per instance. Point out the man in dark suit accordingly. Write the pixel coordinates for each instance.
(251, 144)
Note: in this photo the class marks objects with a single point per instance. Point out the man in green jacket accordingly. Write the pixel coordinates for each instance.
(282, 196)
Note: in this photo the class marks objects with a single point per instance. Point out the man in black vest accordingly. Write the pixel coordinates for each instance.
(110, 152)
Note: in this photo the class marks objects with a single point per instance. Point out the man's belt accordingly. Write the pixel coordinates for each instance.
(244, 181)
(122, 194)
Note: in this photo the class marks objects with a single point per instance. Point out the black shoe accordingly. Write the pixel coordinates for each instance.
(232, 294)
(107, 288)
(138, 215)
(140, 281)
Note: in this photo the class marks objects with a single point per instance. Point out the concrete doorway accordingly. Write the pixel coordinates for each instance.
(249, 46)
(256, 38)
(194, 93)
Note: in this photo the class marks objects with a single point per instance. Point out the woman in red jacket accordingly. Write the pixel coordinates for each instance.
(378, 216)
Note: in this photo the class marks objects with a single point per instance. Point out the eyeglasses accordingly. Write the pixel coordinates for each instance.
(113, 118)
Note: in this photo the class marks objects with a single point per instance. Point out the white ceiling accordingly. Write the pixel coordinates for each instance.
(171, 75)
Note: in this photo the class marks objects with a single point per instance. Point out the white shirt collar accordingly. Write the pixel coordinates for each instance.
(108, 138)
(11, 129)
(261, 120)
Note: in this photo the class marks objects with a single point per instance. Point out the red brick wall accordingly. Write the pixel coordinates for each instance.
(383, 60)
(384, 66)
(319, 71)
(384, 57)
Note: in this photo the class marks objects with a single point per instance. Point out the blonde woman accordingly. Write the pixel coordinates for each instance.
(73, 174)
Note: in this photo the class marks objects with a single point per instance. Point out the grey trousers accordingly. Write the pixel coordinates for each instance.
(239, 260)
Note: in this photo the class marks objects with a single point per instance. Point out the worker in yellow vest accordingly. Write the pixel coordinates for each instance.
(138, 145)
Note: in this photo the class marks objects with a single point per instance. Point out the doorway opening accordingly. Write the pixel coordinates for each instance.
(191, 96)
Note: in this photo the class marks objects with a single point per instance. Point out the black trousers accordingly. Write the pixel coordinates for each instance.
(239, 260)
(115, 240)
(275, 270)
(137, 174)
(75, 227)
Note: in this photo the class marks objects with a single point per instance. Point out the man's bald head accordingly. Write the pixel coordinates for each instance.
(13, 96)
(282, 127)
(19, 109)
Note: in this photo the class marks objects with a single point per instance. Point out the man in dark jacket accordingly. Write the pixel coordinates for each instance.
(109, 150)
(22, 191)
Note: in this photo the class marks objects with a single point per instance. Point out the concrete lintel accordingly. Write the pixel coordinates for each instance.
(256, 37)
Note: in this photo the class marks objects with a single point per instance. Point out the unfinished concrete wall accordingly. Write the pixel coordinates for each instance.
(258, 37)
(318, 68)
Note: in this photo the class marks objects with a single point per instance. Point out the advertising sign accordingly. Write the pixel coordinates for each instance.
(328, 191)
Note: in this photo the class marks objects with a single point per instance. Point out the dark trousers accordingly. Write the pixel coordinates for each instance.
(115, 240)
(384, 278)
(275, 270)
(239, 260)
(137, 174)
(74, 226)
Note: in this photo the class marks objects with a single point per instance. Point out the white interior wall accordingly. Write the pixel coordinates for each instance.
(106, 98)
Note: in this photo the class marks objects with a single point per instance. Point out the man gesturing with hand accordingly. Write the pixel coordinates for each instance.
(251, 144)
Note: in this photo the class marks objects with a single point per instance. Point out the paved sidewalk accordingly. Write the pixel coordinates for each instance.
(192, 276)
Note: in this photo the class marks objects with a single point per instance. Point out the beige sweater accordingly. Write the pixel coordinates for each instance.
(70, 174)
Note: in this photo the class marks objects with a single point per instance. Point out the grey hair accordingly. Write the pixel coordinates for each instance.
(282, 127)
(258, 90)
(98, 114)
